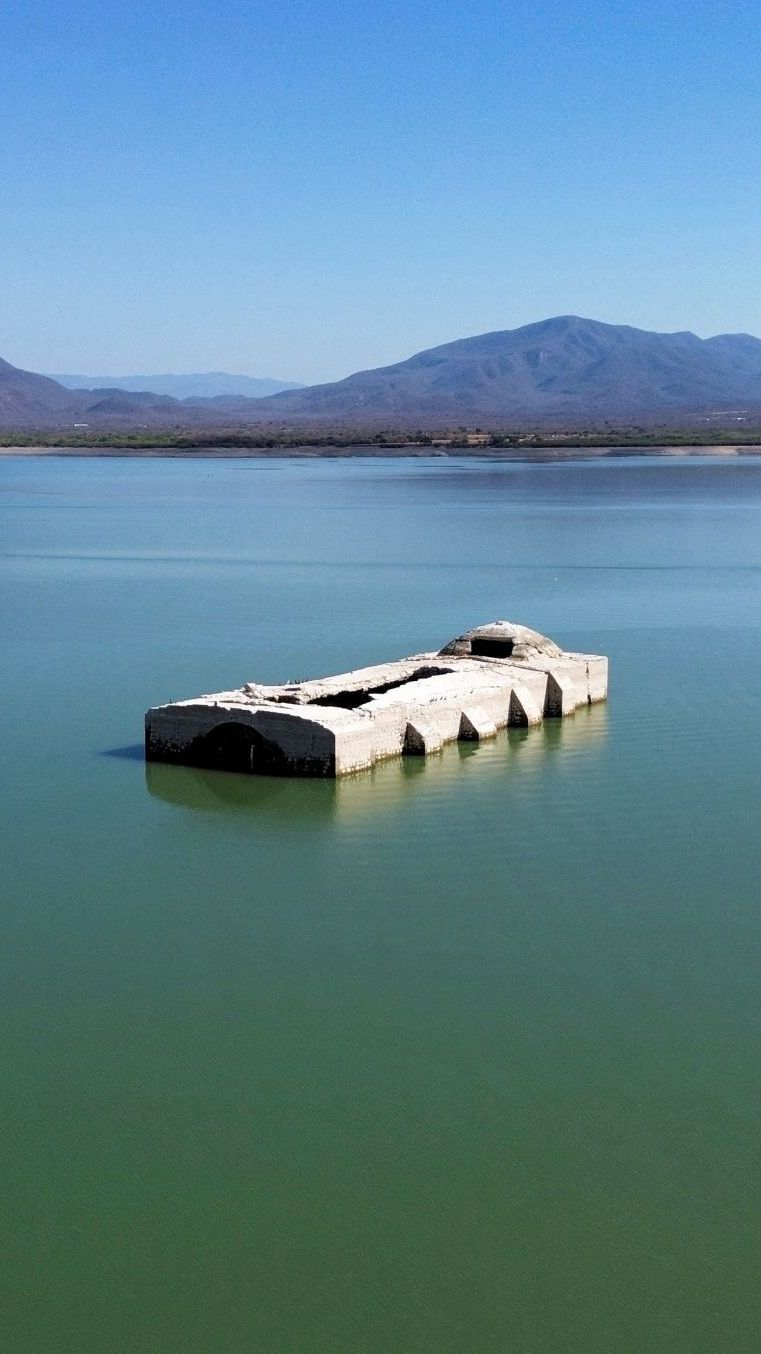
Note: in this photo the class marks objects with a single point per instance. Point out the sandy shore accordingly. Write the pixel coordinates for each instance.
(375, 452)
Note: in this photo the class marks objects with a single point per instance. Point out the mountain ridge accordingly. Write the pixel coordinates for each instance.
(566, 369)
(182, 385)
(563, 366)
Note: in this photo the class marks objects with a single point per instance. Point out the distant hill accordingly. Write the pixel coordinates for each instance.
(560, 368)
(204, 384)
(29, 400)
(566, 370)
(25, 396)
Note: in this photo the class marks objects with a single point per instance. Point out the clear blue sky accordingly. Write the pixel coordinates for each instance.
(301, 188)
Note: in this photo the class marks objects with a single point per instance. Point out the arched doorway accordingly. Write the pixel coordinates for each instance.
(238, 747)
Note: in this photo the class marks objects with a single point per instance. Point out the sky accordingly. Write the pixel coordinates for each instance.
(304, 188)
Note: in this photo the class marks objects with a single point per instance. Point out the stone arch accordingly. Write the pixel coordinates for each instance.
(234, 746)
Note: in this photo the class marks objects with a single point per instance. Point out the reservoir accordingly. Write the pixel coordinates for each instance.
(457, 1054)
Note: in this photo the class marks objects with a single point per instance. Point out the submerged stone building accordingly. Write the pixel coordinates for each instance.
(486, 679)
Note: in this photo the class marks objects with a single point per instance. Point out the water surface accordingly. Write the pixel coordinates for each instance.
(455, 1055)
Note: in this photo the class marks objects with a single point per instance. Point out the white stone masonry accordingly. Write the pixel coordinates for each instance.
(490, 677)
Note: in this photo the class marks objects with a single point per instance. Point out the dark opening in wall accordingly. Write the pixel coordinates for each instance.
(237, 747)
(350, 700)
(492, 648)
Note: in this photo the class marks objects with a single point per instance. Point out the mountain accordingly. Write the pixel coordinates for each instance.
(565, 367)
(24, 396)
(30, 400)
(566, 370)
(204, 384)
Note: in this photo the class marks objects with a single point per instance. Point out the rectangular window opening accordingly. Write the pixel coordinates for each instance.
(492, 648)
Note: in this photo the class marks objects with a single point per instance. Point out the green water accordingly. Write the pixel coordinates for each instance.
(453, 1056)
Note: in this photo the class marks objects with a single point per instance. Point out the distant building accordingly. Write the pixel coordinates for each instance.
(477, 439)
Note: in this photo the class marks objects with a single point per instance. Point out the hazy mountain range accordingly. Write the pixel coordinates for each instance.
(564, 369)
(203, 384)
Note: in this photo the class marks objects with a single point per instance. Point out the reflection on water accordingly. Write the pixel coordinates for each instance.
(517, 752)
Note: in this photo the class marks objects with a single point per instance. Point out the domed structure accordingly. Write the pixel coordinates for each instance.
(485, 679)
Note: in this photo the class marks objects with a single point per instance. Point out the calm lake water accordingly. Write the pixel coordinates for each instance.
(454, 1056)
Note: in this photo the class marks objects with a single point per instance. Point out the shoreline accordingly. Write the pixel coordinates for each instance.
(369, 452)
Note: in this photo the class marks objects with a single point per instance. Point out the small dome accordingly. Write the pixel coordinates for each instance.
(500, 639)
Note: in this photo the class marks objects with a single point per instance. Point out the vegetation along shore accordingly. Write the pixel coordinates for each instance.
(617, 442)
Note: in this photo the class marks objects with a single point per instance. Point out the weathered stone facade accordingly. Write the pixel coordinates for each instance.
(484, 680)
